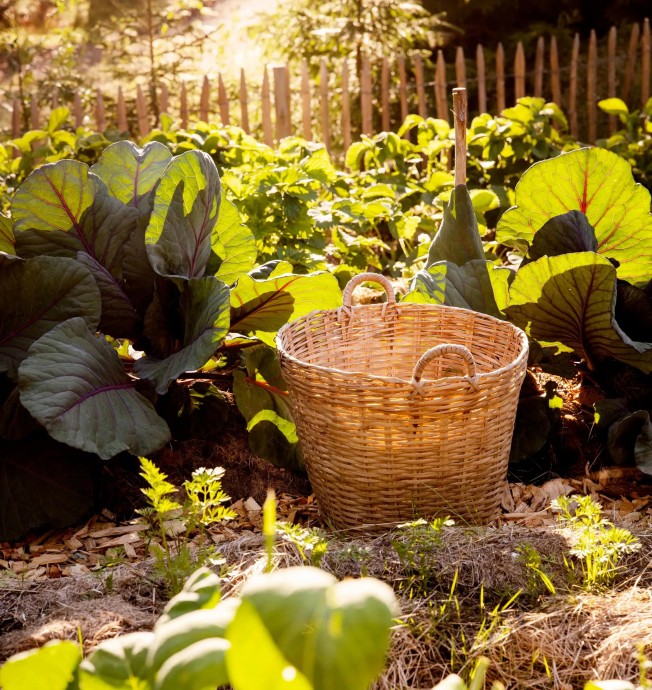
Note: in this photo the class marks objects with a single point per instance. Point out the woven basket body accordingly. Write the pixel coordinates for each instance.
(388, 435)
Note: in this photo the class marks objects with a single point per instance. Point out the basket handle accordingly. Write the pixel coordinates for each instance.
(363, 278)
(437, 351)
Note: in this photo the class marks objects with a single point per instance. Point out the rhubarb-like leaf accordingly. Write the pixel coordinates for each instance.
(569, 300)
(186, 208)
(74, 384)
(130, 173)
(630, 441)
(7, 240)
(261, 307)
(233, 245)
(38, 294)
(599, 184)
(205, 314)
(570, 232)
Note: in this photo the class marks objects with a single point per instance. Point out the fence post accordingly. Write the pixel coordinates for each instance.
(440, 87)
(482, 83)
(223, 102)
(555, 84)
(244, 102)
(519, 72)
(34, 112)
(266, 109)
(572, 87)
(421, 93)
(591, 87)
(346, 106)
(645, 62)
(77, 111)
(323, 97)
(55, 97)
(16, 119)
(631, 61)
(164, 99)
(611, 74)
(538, 67)
(306, 116)
(402, 86)
(365, 97)
(281, 88)
(460, 68)
(500, 78)
(204, 98)
(122, 112)
(384, 94)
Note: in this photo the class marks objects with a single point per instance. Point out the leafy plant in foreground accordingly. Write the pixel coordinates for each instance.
(304, 629)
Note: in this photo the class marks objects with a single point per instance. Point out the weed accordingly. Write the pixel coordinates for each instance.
(531, 559)
(310, 541)
(176, 524)
(599, 545)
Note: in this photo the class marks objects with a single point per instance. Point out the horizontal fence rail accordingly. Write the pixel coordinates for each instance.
(376, 95)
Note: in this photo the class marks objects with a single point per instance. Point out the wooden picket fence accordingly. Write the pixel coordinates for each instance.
(386, 91)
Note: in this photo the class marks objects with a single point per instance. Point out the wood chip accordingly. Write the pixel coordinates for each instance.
(130, 551)
(252, 505)
(117, 531)
(49, 559)
(118, 541)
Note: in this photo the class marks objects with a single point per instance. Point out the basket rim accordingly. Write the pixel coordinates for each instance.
(523, 353)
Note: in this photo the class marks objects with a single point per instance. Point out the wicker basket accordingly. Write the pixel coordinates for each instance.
(382, 444)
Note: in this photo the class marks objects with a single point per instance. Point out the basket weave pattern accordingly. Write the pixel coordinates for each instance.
(389, 433)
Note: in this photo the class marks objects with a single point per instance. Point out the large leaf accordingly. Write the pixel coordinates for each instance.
(598, 183)
(62, 209)
(38, 294)
(74, 384)
(7, 240)
(569, 300)
(262, 400)
(200, 666)
(458, 239)
(335, 633)
(186, 208)
(630, 441)
(261, 307)
(250, 639)
(200, 591)
(570, 232)
(130, 173)
(42, 483)
(468, 286)
(233, 245)
(119, 316)
(205, 313)
(117, 664)
(51, 667)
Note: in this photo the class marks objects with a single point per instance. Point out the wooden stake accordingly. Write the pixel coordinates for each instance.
(384, 94)
(482, 79)
(365, 97)
(421, 92)
(402, 86)
(223, 102)
(555, 83)
(460, 68)
(631, 62)
(16, 119)
(183, 105)
(306, 114)
(55, 97)
(164, 99)
(123, 126)
(500, 78)
(440, 87)
(77, 111)
(645, 62)
(572, 88)
(519, 72)
(281, 87)
(141, 110)
(100, 114)
(611, 74)
(346, 106)
(323, 93)
(204, 100)
(592, 87)
(244, 102)
(266, 110)
(35, 112)
(459, 117)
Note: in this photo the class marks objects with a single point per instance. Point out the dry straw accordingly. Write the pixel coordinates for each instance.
(403, 410)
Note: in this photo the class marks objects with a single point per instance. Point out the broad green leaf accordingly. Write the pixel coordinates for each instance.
(43, 483)
(119, 317)
(458, 239)
(200, 666)
(271, 269)
(251, 640)
(57, 119)
(62, 209)
(38, 294)
(318, 165)
(186, 208)
(200, 591)
(598, 183)
(609, 685)
(233, 244)
(182, 631)
(117, 664)
(634, 311)
(608, 411)
(468, 286)
(335, 633)
(74, 384)
(130, 173)
(630, 441)
(262, 399)
(570, 232)
(261, 307)
(569, 300)
(16, 423)
(7, 241)
(205, 314)
(614, 106)
(51, 667)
